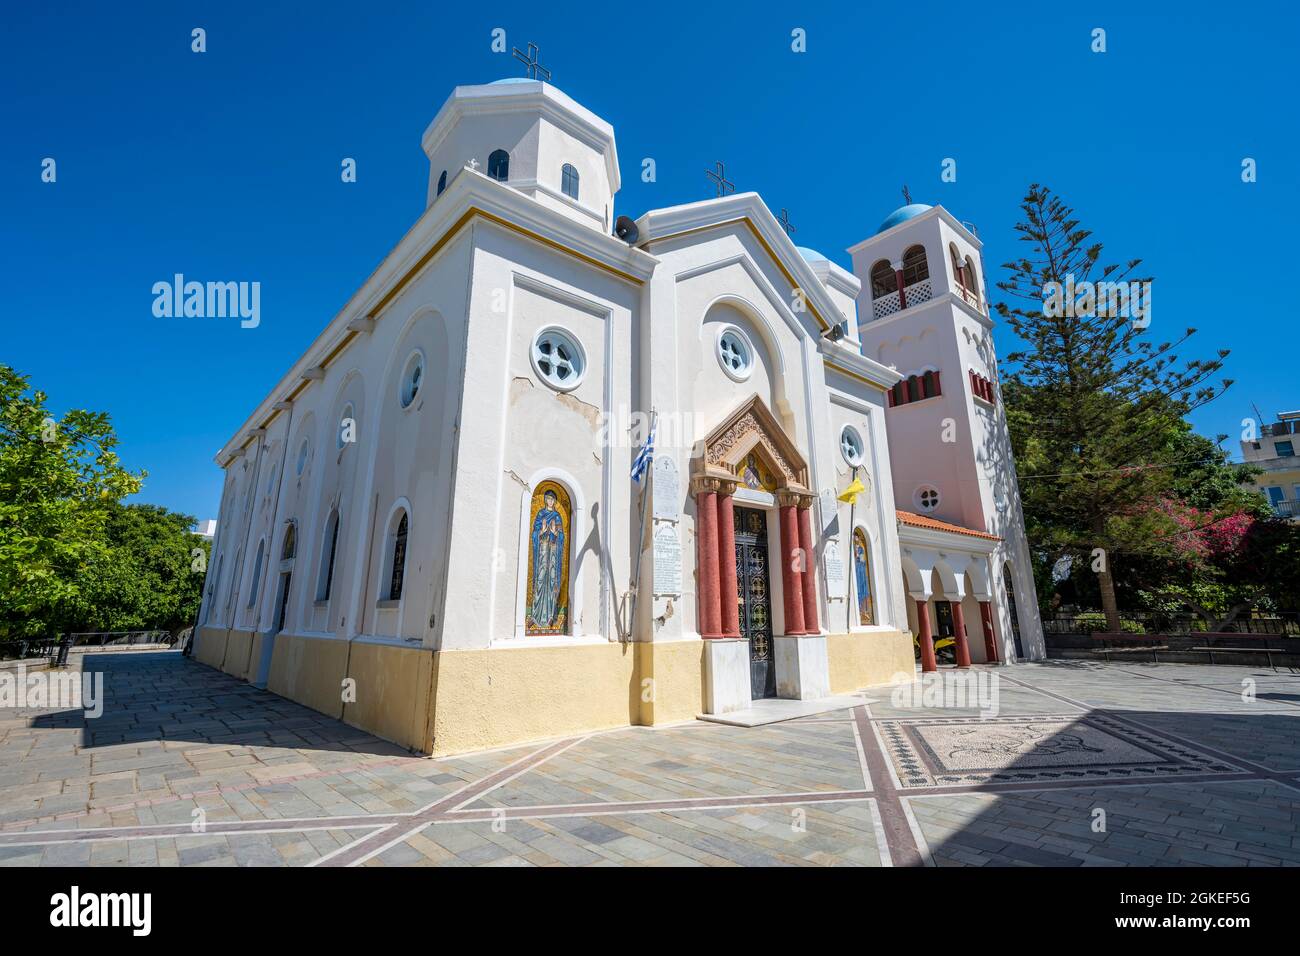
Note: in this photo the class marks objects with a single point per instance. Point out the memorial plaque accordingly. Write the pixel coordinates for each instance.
(834, 568)
(830, 512)
(668, 561)
(667, 489)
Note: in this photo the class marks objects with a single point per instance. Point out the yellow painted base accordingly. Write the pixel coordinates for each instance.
(239, 645)
(210, 648)
(489, 698)
(866, 660)
(310, 670)
(391, 692)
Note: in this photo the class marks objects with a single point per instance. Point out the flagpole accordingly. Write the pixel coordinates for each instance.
(853, 560)
(640, 544)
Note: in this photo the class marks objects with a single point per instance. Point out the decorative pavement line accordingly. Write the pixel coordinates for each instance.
(1178, 683)
(356, 853)
(900, 840)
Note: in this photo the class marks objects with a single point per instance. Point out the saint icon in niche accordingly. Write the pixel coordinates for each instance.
(548, 561)
(862, 576)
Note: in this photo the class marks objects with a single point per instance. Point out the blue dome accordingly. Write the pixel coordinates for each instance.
(902, 214)
(513, 79)
(810, 255)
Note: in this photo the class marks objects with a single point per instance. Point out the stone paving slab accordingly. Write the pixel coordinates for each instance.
(179, 741)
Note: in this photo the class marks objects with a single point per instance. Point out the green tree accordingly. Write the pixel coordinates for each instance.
(1098, 448)
(72, 557)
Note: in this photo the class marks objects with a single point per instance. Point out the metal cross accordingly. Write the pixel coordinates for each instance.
(529, 60)
(720, 181)
(785, 222)
(907, 196)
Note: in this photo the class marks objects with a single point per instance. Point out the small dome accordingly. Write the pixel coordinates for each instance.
(902, 214)
(810, 255)
(513, 79)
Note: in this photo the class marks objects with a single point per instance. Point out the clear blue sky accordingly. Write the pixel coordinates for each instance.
(225, 165)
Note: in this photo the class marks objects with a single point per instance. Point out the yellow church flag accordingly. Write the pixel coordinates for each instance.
(850, 494)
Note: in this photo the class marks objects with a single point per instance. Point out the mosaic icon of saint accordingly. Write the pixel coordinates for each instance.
(547, 565)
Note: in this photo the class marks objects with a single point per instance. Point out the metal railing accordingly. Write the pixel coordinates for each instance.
(1289, 508)
(1277, 623)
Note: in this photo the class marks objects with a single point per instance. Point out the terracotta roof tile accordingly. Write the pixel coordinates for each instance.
(934, 524)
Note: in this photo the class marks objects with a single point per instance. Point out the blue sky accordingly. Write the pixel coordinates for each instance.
(225, 165)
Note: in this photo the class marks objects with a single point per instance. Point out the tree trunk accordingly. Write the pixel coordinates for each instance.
(1108, 604)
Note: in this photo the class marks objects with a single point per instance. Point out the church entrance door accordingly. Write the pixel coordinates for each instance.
(754, 599)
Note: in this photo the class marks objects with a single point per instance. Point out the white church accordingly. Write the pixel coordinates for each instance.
(430, 526)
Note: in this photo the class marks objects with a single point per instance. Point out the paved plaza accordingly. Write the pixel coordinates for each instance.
(1083, 764)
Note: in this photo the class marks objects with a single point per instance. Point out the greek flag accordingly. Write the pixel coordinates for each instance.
(644, 456)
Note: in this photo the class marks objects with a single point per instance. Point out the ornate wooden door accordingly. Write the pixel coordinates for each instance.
(754, 599)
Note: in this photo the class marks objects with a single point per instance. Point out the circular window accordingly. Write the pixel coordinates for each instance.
(735, 353)
(303, 449)
(851, 445)
(558, 359)
(412, 376)
(926, 497)
(347, 426)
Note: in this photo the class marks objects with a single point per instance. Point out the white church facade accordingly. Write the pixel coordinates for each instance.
(430, 529)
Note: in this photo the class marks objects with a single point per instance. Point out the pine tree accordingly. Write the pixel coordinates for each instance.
(1095, 445)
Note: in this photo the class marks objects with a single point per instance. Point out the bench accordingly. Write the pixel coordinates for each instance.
(1241, 650)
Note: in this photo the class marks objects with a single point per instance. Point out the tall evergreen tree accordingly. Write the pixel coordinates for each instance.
(1100, 451)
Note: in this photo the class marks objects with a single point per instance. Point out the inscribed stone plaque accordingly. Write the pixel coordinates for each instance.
(834, 565)
(830, 512)
(668, 561)
(667, 489)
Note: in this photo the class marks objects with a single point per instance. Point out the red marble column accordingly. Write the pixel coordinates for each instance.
(791, 579)
(959, 627)
(902, 296)
(809, 578)
(926, 637)
(990, 638)
(729, 595)
(706, 516)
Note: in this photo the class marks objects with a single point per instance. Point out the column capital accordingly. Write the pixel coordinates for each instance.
(705, 484)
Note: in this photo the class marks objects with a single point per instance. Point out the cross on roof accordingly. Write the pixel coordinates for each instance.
(529, 60)
(907, 195)
(785, 222)
(720, 181)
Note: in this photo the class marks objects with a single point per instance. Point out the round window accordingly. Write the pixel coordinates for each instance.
(851, 445)
(558, 359)
(303, 449)
(412, 376)
(347, 426)
(927, 497)
(735, 353)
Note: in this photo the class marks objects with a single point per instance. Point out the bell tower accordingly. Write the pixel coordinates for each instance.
(923, 310)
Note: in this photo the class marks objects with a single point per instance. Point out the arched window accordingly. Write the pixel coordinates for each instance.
(569, 181)
(256, 582)
(290, 546)
(883, 279)
(958, 269)
(331, 545)
(549, 531)
(398, 575)
(931, 384)
(915, 267)
(442, 182)
(499, 165)
(972, 280)
(862, 577)
(347, 426)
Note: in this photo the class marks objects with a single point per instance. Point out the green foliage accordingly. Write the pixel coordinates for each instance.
(72, 557)
(1097, 622)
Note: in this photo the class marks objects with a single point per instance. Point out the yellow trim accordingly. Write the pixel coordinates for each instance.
(854, 375)
(761, 241)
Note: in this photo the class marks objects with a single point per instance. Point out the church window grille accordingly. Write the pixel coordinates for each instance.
(499, 165)
(558, 360)
(412, 376)
(927, 497)
(735, 353)
(290, 546)
(569, 181)
(442, 182)
(398, 575)
(851, 445)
